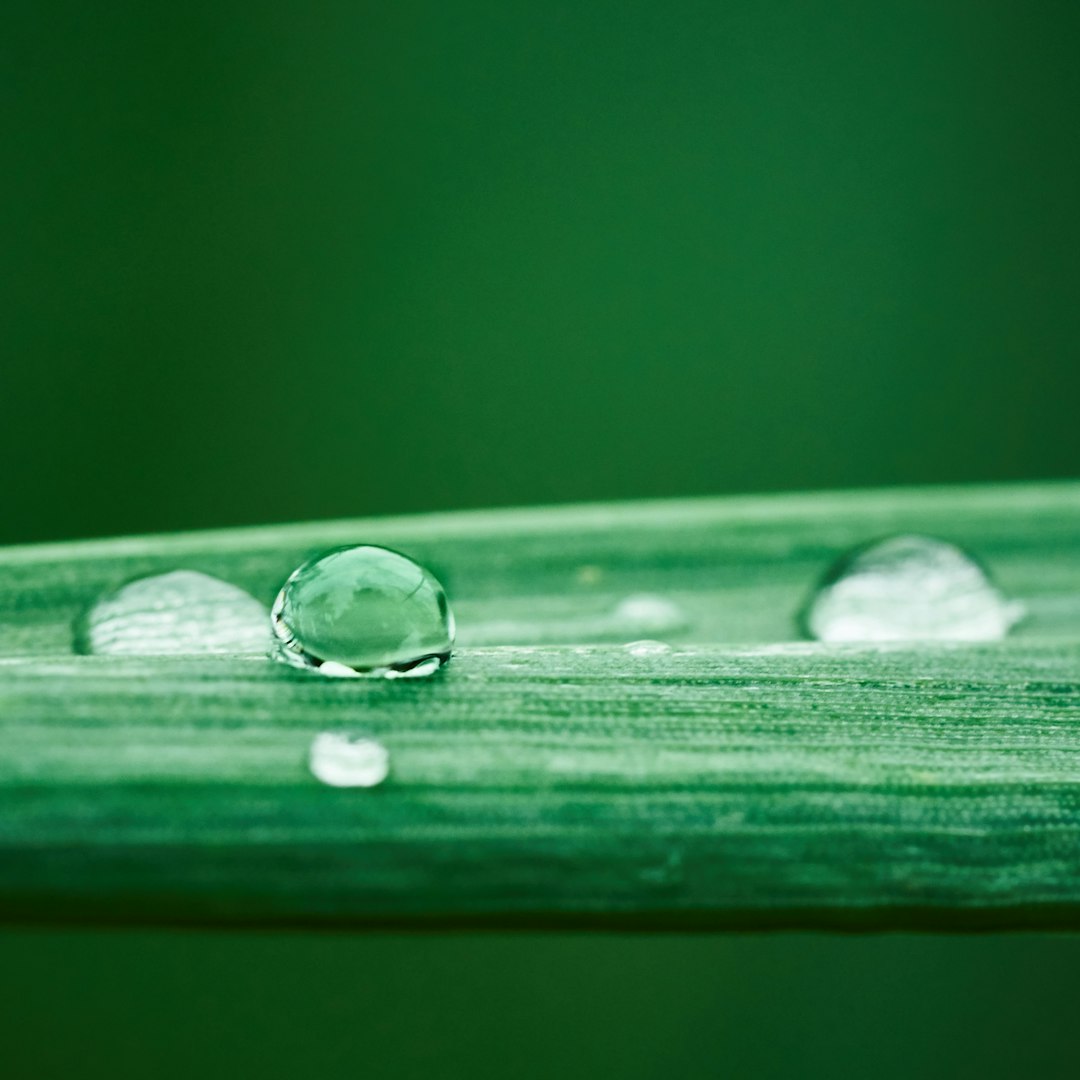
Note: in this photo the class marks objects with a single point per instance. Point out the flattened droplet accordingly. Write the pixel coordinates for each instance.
(181, 613)
(908, 588)
(341, 760)
(647, 647)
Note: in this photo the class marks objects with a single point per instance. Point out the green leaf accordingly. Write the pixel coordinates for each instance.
(549, 775)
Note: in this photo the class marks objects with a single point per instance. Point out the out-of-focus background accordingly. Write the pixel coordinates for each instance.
(285, 261)
(281, 261)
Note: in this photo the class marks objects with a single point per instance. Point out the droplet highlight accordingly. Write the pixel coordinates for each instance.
(908, 588)
(181, 613)
(363, 610)
(344, 761)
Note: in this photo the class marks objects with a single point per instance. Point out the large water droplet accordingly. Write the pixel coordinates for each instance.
(348, 760)
(363, 611)
(181, 613)
(908, 588)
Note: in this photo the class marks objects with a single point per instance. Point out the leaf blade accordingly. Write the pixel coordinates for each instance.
(726, 785)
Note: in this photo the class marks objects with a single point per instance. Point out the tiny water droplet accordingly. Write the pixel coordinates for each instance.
(181, 613)
(632, 617)
(363, 611)
(647, 647)
(648, 612)
(341, 760)
(908, 588)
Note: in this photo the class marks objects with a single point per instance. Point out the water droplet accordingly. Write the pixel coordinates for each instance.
(647, 647)
(181, 613)
(908, 588)
(363, 611)
(348, 760)
(636, 616)
(648, 612)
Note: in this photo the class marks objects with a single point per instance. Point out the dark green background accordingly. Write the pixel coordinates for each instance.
(273, 262)
(266, 262)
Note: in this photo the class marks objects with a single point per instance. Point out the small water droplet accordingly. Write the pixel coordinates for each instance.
(341, 760)
(363, 611)
(636, 616)
(647, 647)
(648, 612)
(908, 588)
(181, 613)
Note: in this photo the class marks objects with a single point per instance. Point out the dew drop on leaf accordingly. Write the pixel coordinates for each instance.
(363, 611)
(647, 647)
(908, 588)
(181, 613)
(644, 612)
(340, 760)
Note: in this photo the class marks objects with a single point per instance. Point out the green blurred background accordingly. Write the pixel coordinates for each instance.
(267, 262)
(275, 262)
